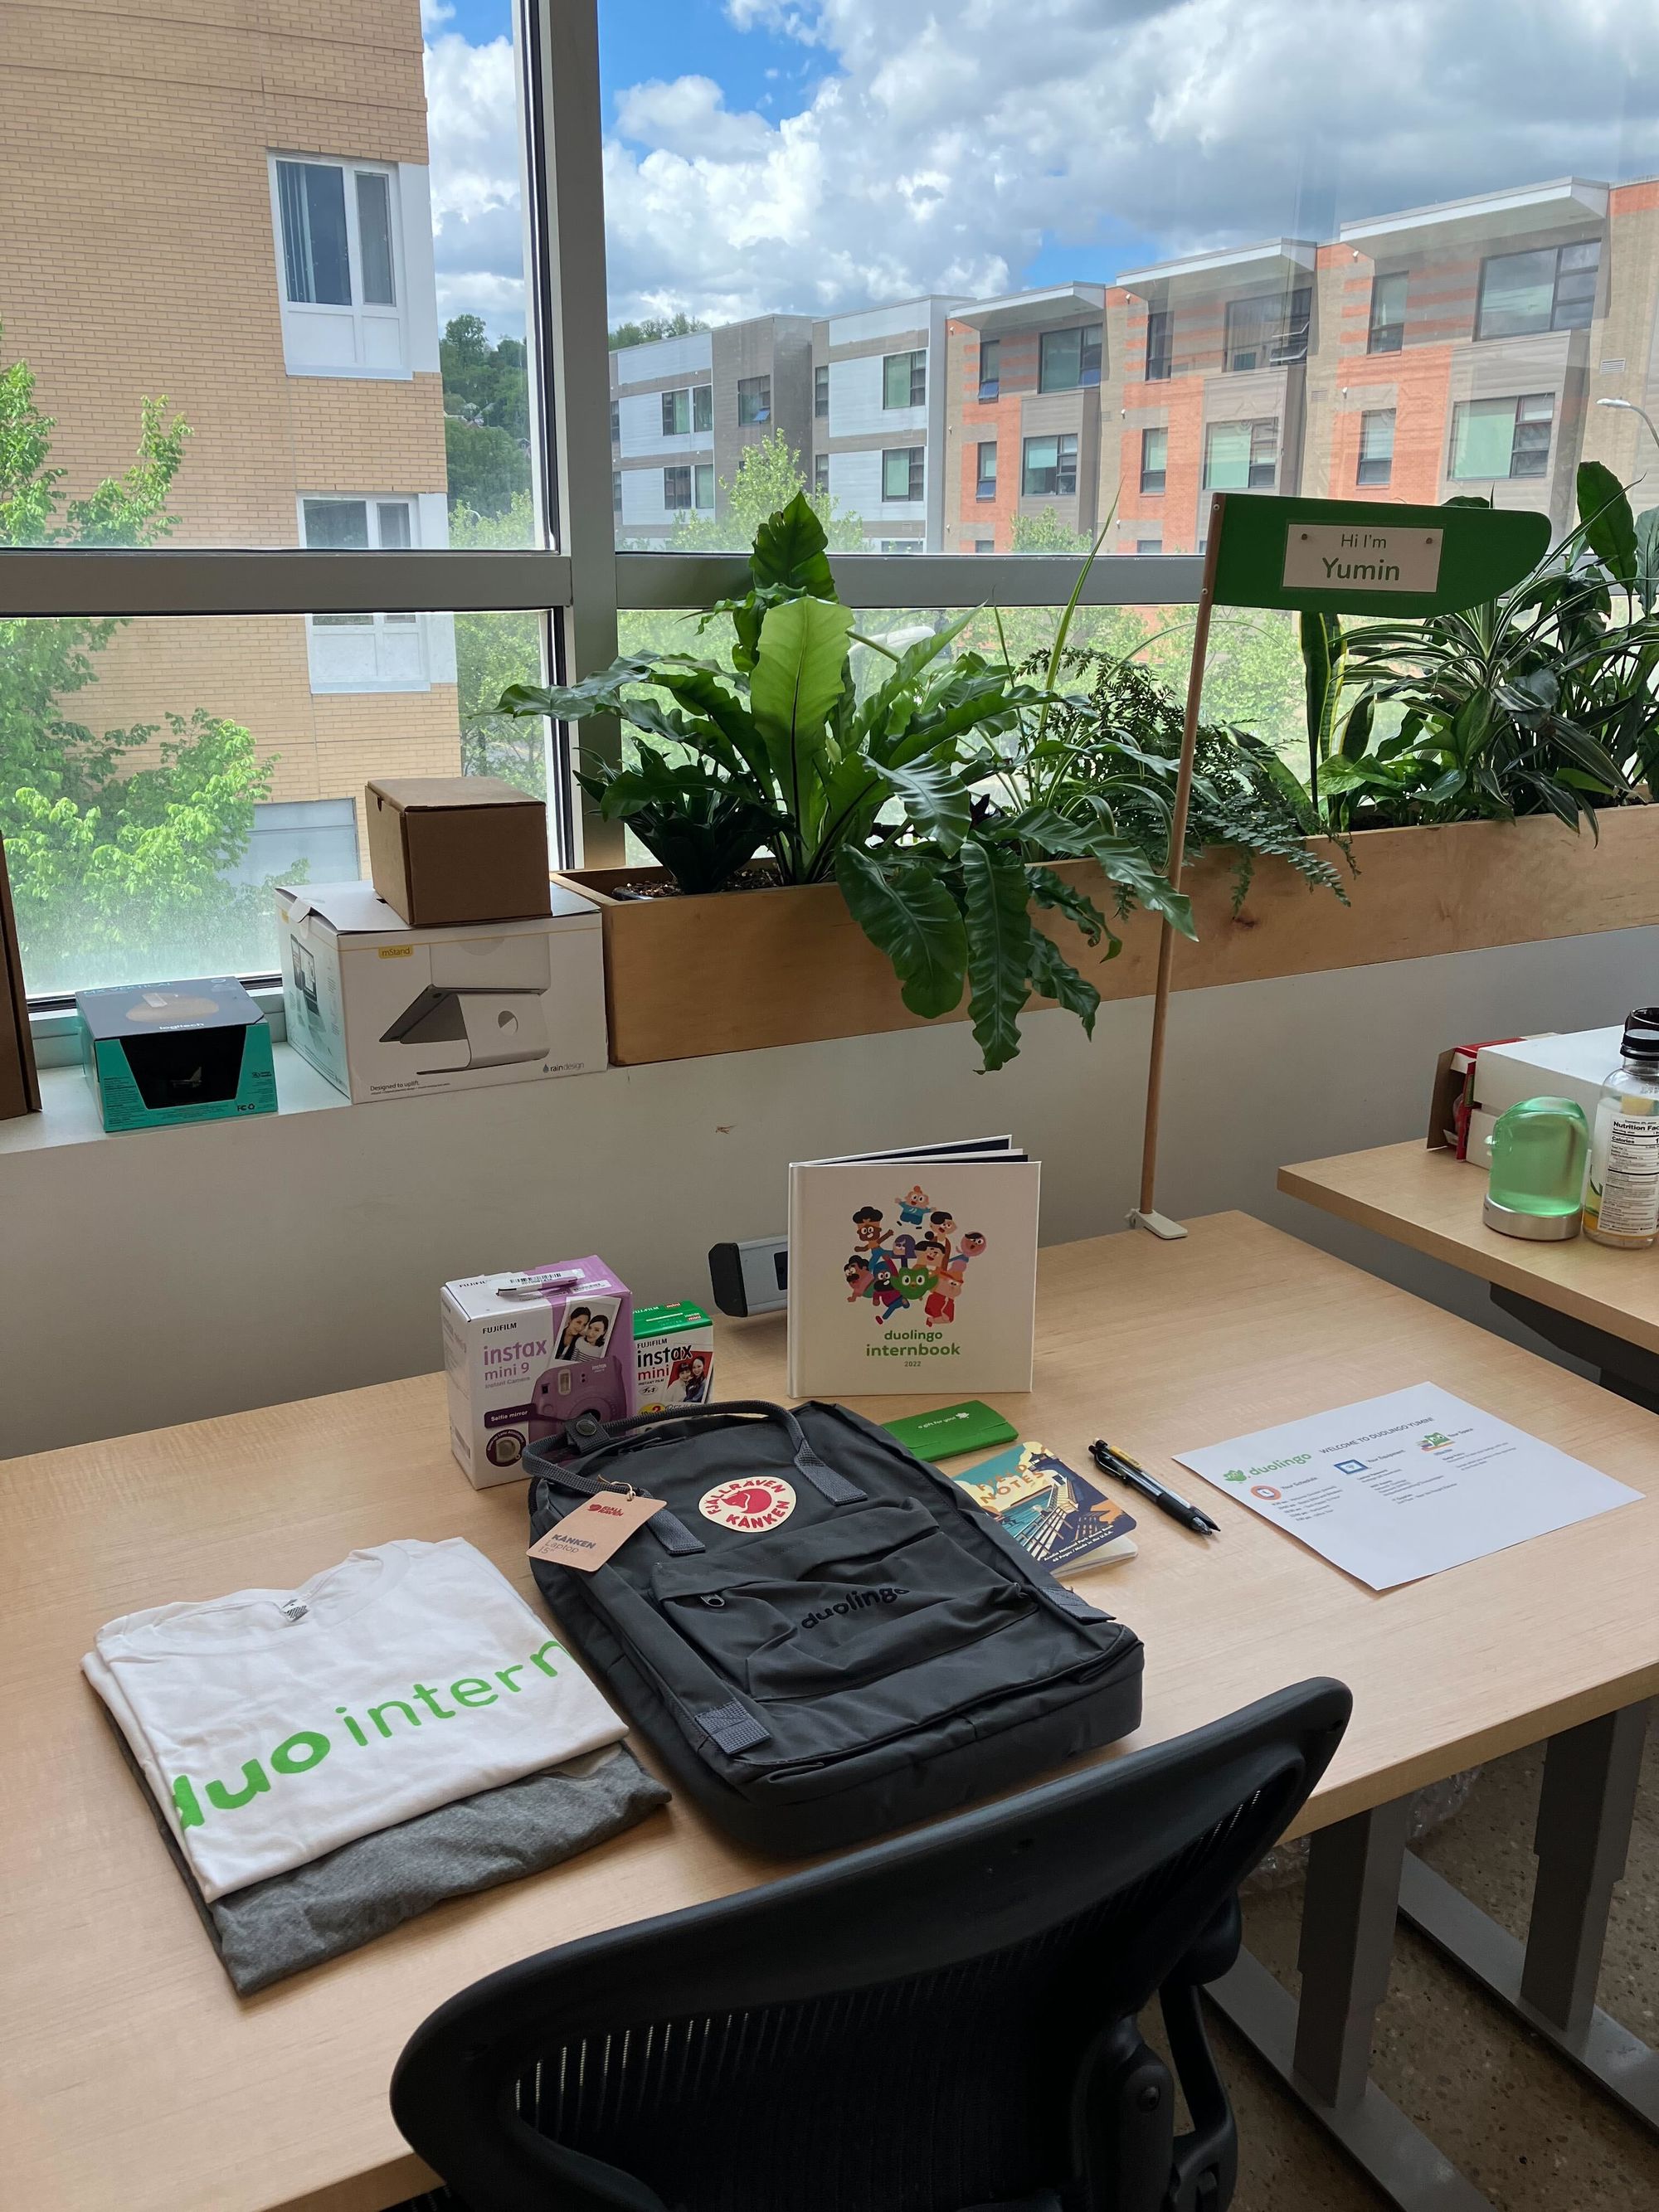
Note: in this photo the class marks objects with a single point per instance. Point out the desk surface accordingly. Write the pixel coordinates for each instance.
(130, 2077)
(1432, 1201)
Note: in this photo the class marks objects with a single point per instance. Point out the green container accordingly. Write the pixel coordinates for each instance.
(161, 1053)
(1539, 1152)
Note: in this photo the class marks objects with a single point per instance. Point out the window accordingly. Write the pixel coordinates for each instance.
(1241, 456)
(1551, 289)
(362, 652)
(901, 473)
(821, 392)
(1050, 467)
(985, 545)
(676, 414)
(1154, 459)
(1494, 438)
(904, 380)
(677, 489)
(1066, 359)
(754, 400)
(898, 546)
(337, 223)
(1388, 325)
(990, 367)
(1375, 447)
(319, 835)
(821, 474)
(1149, 546)
(1270, 330)
(1159, 326)
(985, 484)
(615, 421)
(703, 485)
(616, 491)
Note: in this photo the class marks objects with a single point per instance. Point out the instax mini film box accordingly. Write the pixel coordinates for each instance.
(385, 1011)
(675, 1357)
(526, 1353)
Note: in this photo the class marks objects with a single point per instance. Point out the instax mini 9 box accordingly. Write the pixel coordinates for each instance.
(525, 1354)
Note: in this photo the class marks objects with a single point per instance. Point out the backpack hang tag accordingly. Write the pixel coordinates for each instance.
(599, 1526)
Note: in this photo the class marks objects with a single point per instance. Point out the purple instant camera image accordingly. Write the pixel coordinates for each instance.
(529, 1353)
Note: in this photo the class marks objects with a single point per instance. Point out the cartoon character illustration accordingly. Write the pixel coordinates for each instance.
(904, 1249)
(916, 1283)
(943, 1225)
(941, 1297)
(913, 1207)
(885, 1294)
(866, 1227)
(857, 1273)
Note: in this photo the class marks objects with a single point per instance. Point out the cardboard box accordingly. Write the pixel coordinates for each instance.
(386, 1012)
(156, 1054)
(20, 1088)
(1573, 1066)
(675, 1357)
(451, 849)
(526, 1353)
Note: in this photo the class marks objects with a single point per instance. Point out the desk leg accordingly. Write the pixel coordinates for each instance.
(1320, 2049)
(1584, 1813)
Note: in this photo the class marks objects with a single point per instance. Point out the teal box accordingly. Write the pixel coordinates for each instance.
(160, 1053)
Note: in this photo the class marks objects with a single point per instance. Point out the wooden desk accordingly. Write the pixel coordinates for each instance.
(133, 2080)
(1591, 1300)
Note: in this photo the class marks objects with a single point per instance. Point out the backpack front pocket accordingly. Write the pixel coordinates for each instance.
(861, 1597)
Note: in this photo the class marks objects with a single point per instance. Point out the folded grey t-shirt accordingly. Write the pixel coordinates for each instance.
(344, 1899)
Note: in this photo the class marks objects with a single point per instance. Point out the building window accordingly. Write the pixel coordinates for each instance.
(1050, 467)
(901, 473)
(337, 226)
(703, 407)
(1375, 447)
(898, 546)
(1494, 438)
(676, 414)
(1241, 456)
(703, 485)
(1160, 323)
(1269, 331)
(1388, 325)
(754, 400)
(986, 483)
(362, 652)
(821, 474)
(616, 491)
(677, 489)
(615, 421)
(1149, 546)
(1551, 289)
(985, 545)
(990, 367)
(314, 837)
(904, 380)
(821, 392)
(1066, 359)
(1154, 459)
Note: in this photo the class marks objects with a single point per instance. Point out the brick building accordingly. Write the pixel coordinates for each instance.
(230, 207)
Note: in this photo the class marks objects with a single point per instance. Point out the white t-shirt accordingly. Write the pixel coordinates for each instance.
(275, 1725)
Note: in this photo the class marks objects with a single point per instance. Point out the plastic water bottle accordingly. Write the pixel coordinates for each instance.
(1621, 1190)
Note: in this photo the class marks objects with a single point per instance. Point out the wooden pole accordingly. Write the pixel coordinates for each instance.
(1147, 1215)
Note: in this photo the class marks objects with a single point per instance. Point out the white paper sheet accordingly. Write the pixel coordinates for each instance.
(1404, 1485)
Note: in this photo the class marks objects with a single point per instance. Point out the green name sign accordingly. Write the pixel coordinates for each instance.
(1363, 557)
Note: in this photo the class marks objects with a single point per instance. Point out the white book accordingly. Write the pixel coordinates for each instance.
(913, 1270)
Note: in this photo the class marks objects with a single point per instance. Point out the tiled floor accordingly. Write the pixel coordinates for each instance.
(1519, 2124)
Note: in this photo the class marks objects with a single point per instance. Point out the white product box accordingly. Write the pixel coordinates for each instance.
(387, 1011)
(1573, 1066)
(526, 1353)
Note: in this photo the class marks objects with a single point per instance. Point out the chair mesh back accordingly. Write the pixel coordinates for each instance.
(960, 2083)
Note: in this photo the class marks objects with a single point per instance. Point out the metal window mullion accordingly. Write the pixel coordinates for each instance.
(676, 580)
(75, 580)
(566, 142)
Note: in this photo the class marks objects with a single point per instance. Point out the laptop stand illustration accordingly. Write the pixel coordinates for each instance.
(483, 1007)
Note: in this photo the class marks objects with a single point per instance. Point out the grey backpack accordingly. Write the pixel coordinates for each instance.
(822, 1636)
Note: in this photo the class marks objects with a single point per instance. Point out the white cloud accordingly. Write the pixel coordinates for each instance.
(940, 148)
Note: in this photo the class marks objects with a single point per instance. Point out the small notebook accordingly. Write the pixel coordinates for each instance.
(1063, 1519)
(913, 1271)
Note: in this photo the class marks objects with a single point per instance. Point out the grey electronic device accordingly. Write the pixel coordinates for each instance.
(751, 1278)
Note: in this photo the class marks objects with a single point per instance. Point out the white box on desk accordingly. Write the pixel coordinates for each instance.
(387, 1011)
(1573, 1066)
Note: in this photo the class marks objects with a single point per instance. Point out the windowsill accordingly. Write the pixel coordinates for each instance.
(369, 686)
(369, 376)
(69, 1112)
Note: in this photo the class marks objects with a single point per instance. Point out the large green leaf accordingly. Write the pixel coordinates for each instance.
(791, 551)
(1053, 977)
(1608, 525)
(1000, 935)
(907, 913)
(1123, 861)
(796, 681)
(594, 695)
(710, 694)
(936, 799)
(1054, 892)
(1647, 558)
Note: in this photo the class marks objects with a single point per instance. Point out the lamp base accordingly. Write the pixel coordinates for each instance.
(1536, 1228)
(1155, 1225)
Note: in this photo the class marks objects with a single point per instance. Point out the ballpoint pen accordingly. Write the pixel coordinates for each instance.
(1129, 1471)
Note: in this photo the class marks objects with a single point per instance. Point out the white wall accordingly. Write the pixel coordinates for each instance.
(856, 409)
(158, 1276)
(639, 423)
(856, 484)
(666, 358)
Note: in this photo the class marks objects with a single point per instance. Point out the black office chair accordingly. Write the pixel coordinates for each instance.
(943, 2023)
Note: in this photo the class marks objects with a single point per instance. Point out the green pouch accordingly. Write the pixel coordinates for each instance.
(972, 1425)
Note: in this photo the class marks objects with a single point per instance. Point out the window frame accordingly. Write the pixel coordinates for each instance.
(985, 483)
(911, 363)
(1518, 423)
(990, 387)
(1149, 488)
(821, 392)
(366, 316)
(1554, 321)
(1282, 344)
(1059, 469)
(916, 462)
(1384, 334)
(1087, 377)
(1159, 365)
(1262, 431)
(751, 390)
(390, 634)
(1374, 461)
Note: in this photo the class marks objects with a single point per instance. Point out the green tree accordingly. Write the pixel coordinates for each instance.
(1044, 533)
(680, 325)
(117, 840)
(485, 384)
(768, 476)
(493, 651)
(487, 470)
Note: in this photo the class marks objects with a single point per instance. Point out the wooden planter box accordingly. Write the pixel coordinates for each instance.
(743, 970)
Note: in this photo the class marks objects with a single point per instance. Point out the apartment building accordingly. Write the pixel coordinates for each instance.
(1023, 426)
(245, 229)
(879, 397)
(682, 409)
